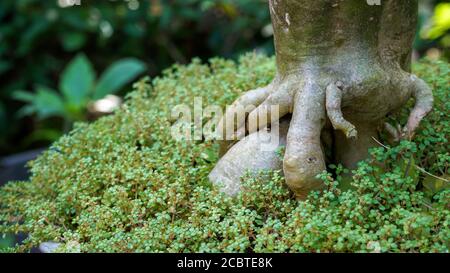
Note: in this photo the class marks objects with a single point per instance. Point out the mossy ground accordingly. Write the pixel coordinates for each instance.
(122, 184)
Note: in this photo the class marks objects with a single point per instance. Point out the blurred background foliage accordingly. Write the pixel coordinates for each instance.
(38, 40)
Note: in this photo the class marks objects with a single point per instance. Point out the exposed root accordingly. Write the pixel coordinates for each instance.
(304, 158)
(227, 126)
(395, 132)
(258, 105)
(334, 111)
(424, 104)
(262, 116)
(317, 41)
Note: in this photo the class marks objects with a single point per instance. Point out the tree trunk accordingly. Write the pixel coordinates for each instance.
(343, 66)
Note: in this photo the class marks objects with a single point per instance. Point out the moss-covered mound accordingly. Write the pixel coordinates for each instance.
(122, 184)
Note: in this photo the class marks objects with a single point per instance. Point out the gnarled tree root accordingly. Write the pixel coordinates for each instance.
(340, 63)
(312, 106)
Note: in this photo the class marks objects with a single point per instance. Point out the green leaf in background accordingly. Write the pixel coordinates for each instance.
(24, 96)
(27, 110)
(27, 97)
(77, 81)
(441, 21)
(38, 26)
(117, 76)
(73, 41)
(48, 103)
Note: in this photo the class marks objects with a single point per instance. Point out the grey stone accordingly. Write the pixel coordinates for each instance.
(248, 155)
(49, 247)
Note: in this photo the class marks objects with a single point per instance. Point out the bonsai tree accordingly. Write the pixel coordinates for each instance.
(124, 184)
(342, 67)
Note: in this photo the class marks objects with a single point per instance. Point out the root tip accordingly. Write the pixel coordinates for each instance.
(352, 133)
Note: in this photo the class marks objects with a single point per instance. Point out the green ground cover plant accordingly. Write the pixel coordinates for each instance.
(123, 184)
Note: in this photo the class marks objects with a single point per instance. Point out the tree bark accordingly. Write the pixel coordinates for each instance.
(342, 67)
